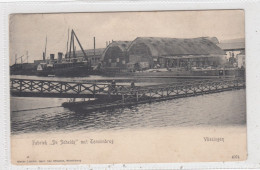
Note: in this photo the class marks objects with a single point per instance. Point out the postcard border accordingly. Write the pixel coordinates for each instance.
(252, 23)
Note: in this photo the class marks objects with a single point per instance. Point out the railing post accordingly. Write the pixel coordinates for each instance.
(49, 86)
(94, 90)
(41, 86)
(61, 87)
(31, 85)
(12, 83)
(79, 88)
(21, 84)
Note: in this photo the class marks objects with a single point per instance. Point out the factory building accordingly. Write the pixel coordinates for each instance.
(115, 55)
(154, 52)
(232, 47)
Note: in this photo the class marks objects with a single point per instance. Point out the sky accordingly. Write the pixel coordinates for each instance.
(28, 32)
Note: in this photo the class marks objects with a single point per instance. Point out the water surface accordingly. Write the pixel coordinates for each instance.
(219, 109)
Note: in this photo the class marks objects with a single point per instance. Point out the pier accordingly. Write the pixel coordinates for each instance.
(108, 96)
(62, 89)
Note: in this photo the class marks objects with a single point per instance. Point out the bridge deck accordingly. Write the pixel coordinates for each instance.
(61, 89)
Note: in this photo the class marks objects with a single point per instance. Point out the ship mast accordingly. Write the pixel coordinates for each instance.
(27, 56)
(45, 48)
(67, 43)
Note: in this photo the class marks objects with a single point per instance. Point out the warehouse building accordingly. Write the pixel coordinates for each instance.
(151, 52)
(155, 52)
(115, 55)
(232, 47)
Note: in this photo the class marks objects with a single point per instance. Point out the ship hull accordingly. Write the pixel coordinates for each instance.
(67, 72)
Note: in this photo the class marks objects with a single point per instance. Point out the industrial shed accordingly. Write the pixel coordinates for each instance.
(115, 55)
(232, 47)
(173, 52)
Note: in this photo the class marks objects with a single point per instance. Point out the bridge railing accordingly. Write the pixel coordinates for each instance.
(59, 87)
(180, 89)
(78, 89)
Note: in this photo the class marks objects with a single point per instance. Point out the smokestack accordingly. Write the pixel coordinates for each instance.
(60, 57)
(94, 46)
(52, 56)
(43, 56)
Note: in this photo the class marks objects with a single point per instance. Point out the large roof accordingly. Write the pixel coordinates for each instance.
(176, 46)
(233, 44)
(89, 52)
(98, 51)
(213, 39)
(123, 45)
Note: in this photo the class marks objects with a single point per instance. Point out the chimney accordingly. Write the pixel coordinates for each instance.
(60, 54)
(106, 44)
(52, 57)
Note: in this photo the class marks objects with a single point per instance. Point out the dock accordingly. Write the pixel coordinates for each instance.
(62, 89)
(156, 93)
(109, 96)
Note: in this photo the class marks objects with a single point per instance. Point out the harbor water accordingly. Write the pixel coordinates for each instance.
(45, 115)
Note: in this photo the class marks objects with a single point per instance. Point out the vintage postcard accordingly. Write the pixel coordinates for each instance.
(128, 87)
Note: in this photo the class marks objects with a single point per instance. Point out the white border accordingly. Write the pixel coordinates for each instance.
(252, 14)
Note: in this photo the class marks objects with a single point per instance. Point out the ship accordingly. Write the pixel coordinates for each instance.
(70, 65)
